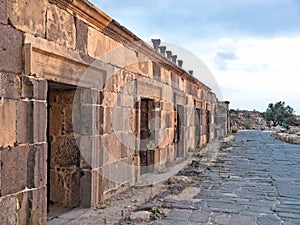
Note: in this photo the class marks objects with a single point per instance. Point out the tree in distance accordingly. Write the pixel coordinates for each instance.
(280, 114)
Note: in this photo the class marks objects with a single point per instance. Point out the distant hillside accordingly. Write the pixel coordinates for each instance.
(249, 120)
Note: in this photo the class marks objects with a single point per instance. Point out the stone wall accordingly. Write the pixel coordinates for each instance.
(289, 138)
(81, 92)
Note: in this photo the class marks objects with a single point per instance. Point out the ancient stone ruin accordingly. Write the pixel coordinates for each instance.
(87, 107)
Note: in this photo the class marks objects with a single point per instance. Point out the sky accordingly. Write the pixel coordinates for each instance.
(250, 48)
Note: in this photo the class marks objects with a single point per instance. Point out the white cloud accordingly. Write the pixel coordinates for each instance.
(264, 70)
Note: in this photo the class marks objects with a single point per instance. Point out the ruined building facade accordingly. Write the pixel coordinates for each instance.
(87, 108)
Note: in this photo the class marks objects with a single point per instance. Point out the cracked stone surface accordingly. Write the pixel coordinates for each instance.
(256, 182)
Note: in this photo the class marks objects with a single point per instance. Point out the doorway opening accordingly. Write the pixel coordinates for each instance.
(147, 136)
(208, 121)
(197, 121)
(179, 134)
(63, 184)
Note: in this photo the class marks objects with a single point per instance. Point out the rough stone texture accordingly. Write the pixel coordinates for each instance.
(37, 166)
(27, 87)
(289, 138)
(14, 156)
(179, 180)
(24, 208)
(64, 151)
(10, 86)
(112, 146)
(81, 36)
(3, 11)
(39, 122)
(85, 188)
(140, 216)
(28, 15)
(40, 89)
(64, 184)
(8, 210)
(10, 49)
(61, 27)
(24, 122)
(8, 122)
(102, 47)
(32, 206)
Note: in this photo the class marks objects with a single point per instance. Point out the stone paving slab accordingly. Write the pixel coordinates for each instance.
(256, 182)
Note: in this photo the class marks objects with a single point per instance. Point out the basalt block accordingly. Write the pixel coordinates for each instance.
(61, 27)
(10, 49)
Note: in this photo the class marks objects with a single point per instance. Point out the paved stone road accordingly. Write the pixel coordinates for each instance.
(256, 182)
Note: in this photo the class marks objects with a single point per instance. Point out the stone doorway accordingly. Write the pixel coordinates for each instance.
(147, 139)
(197, 121)
(63, 185)
(208, 121)
(179, 135)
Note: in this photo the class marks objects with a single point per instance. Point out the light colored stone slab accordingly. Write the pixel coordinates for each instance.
(28, 16)
(61, 27)
(8, 122)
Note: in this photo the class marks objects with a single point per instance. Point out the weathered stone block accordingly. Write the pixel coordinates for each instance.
(108, 120)
(39, 122)
(24, 122)
(99, 119)
(39, 206)
(81, 36)
(143, 67)
(118, 119)
(85, 188)
(86, 119)
(130, 169)
(61, 27)
(102, 47)
(10, 86)
(10, 49)
(64, 182)
(40, 89)
(124, 150)
(37, 166)
(125, 100)
(114, 82)
(14, 165)
(129, 140)
(56, 124)
(108, 183)
(28, 16)
(67, 124)
(86, 151)
(111, 146)
(126, 119)
(109, 99)
(3, 11)
(24, 207)
(8, 212)
(156, 71)
(27, 87)
(32, 207)
(117, 172)
(8, 122)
